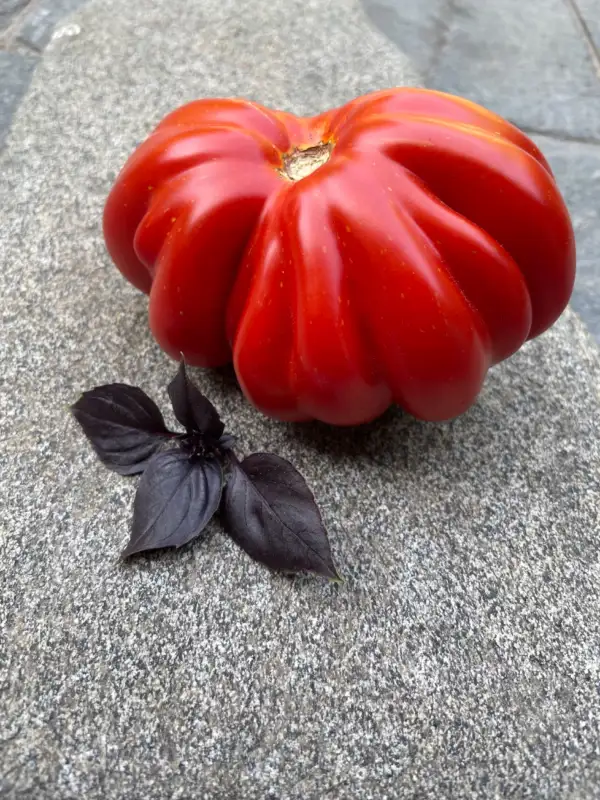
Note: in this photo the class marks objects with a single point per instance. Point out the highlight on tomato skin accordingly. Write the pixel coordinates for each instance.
(390, 251)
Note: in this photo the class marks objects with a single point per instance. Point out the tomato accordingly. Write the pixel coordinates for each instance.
(388, 251)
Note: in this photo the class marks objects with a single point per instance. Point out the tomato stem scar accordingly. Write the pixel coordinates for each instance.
(302, 162)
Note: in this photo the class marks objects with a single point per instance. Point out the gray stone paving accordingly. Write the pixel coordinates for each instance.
(30, 23)
(589, 14)
(535, 64)
(415, 26)
(9, 9)
(526, 61)
(38, 24)
(26, 27)
(460, 657)
(577, 167)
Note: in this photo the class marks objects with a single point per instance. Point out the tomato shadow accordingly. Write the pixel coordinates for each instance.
(395, 439)
(349, 439)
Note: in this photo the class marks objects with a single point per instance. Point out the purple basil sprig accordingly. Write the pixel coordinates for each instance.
(264, 503)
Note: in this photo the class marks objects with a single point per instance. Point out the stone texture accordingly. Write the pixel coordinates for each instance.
(9, 10)
(464, 30)
(415, 26)
(526, 61)
(39, 24)
(590, 14)
(15, 73)
(10, 6)
(577, 170)
(459, 658)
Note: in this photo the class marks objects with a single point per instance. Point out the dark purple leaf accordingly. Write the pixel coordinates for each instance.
(227, 441)
(269, 511)
(124, 426)
(192, 408)
(176, 499)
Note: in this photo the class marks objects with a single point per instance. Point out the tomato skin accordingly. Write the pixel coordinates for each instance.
(430, 246)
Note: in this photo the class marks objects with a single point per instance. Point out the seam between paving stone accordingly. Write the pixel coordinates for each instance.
(14, 44)
(586, 33)
(9, 38)
(443, 32)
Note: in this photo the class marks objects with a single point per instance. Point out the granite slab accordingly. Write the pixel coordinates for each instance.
(9, 9)
(589, 15)
(460, 656)
(417, 27)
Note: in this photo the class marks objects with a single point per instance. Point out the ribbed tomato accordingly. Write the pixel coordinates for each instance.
(388, 251)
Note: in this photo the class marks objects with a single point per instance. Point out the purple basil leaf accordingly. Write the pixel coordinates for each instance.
(124, 426)
(269, 511)
(176, 499)
(192, 408)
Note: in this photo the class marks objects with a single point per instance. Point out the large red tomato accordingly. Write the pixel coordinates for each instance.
(388, 251)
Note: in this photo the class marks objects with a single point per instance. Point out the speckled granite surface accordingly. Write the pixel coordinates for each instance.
(460, 657)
